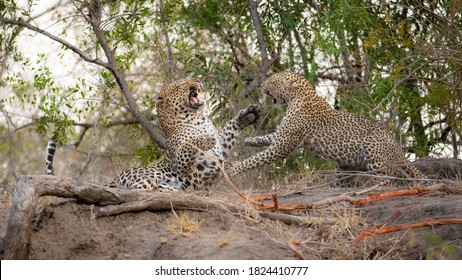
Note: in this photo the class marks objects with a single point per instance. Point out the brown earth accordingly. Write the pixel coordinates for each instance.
(68, 229)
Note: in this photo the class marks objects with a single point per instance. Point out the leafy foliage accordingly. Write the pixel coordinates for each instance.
(398, 62)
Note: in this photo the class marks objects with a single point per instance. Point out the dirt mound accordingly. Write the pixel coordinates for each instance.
(69, 231)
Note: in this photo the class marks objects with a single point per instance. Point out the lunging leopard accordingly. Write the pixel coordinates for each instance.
(352, 141)
(183, 123)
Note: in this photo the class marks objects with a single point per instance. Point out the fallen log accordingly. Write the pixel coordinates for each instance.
(25, 199)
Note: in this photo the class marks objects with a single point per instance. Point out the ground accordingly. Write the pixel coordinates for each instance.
(67, 229)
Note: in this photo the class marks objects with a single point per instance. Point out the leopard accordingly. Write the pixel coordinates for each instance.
(352, 141)
(194, 147)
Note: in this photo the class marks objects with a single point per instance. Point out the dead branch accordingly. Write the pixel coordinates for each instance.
(275, 201)
(329, 201)
(166, 201)
(390, 229)
(183, 201)
(296, 220)
(372, 197)
(381, 196)
(344, 197)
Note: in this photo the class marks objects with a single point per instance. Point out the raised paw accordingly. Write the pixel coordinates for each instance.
(249, 116)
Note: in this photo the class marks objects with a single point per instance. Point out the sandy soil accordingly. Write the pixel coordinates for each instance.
(66, 229)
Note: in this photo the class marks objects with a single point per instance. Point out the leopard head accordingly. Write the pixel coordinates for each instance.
(286, 86)
(177, 101)
(181, 95)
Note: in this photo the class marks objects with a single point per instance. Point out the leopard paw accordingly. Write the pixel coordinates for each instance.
(249, 116)
(229, 169)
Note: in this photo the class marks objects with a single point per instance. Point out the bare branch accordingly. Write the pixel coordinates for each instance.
(87, 126)
(114, 123)
(264, 66)
(303, 51)
(262, 70)
(258, 29)
(95, 22)
(167, 41)
(63, 42)
(265, 60)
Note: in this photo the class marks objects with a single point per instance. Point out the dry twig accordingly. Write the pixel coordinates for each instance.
(293, 245)
(390, 229)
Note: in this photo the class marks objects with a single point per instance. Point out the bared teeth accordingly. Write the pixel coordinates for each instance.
(193, 96)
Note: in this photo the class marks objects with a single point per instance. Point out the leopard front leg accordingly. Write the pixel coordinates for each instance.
(286, 139)
(260, 141)
(231, 131)
(272, 154)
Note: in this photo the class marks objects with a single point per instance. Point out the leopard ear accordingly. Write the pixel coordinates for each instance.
(293, 84)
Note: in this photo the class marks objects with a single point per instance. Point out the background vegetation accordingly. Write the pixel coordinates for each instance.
(399, 62)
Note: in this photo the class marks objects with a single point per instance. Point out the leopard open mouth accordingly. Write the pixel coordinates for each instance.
(267, 92)
(194, 101)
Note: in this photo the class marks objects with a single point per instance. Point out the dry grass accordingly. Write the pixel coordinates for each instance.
(185, 225)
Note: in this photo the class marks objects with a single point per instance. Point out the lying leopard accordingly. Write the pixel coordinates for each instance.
(352, 141)
(183, 165)
(183, 124)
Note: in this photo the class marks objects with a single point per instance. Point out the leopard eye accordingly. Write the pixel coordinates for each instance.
(293, 84)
